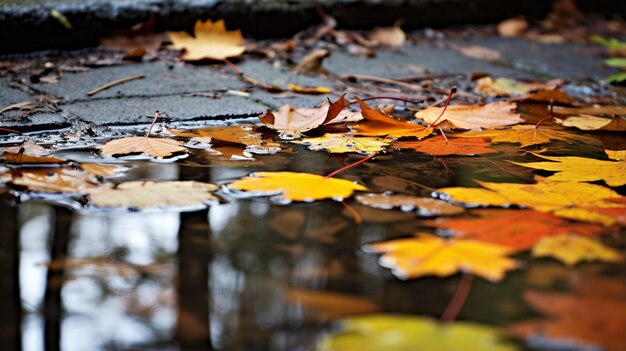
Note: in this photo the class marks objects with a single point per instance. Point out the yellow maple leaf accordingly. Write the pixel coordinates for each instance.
(581, 169)
(297, 186)
(526, 135)
(572, 249)
(572, 200)
(211, 41)
(157, 147)
(494, 115)
(342, 143)
(149, 194)
(432, 255)
(616, 154)
(379, 332)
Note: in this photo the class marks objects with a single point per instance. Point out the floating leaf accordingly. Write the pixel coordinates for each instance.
(297, 186)
(378, 124)
(494, 115)
(594, 318)
(342, 143)
(571, 249)
(441, 146)
(211, 41)
(426, 255)
(149, 194)
(236, 134)
(403, 333)
(581, 169)
(588, 122)
(426, 206)
(28, 147)
(53, 180)
(103, 170)
(526, 135)
(572, 200)
(156, 147)
(518, 230)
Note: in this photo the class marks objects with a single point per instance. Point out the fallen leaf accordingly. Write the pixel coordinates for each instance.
(588, 122)
(581, 169)
(103, 170)
(309, 90)
(426, 206)
(505, 86)
(329, 306)
(342, 143)
(53, 180)
(23, 158)
(426, 255)
(28, 147)
(573, 200)
(403, 333)
(312, 62)
(156, 147)
(236, 134)
(616, 154)
(478, 52)
(26, 107)
(388, 36)
(512, 27)
(296, 186)
(572, 249)
(493, 115)
(211, 41)
(519, 230)
(440, 146)
(549, 96)
(377, 123)
(527, 135)
(149, 194)
(595, 110)
(593, 318)
(291, 122)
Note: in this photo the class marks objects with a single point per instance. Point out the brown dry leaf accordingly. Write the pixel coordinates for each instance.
(512, 27)
(377, 123)
(329, 306)
(518, 230)
(26, 107)
(23, 158)
(28, 147)
(594, 316)
(426, 255)
(54, 180)
(549, 96)
(494, 115)
(156, 147)
(527, 135)
(505, 86)
(478, 52)
(312, 62)
(441, 146)
(237, 134)
(103, 170)
(588, 122)
(149, 194)
(425, 206)
(388, 36)
(291, 121)
(211, 41)
(596, 110)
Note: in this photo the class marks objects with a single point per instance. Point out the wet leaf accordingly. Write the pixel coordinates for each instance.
(28, 147)
(519, 230)
(426, 255)
(210, 41)
(149, 194)
(581, 169)
(439, 146)
(53, 180)
(378, 124)
(156, 147)
(103, 170)
(24, 158)
(588, 122)
(616, 154)
(236, 134)
(527, 135)
(572, 249)
(329, 306)
(494, 115)
(572, 200)
(425, 206)
(342, 143)
(594, 317)
(297, 186)
(403, 333)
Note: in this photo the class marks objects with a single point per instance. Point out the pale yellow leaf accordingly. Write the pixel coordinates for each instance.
(211, 41)
(571, 249)
(156, 147)
(494, 115)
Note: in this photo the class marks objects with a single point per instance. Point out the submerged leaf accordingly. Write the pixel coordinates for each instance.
(426, 255)
(297, 186)
(211, 41)
(403, 333)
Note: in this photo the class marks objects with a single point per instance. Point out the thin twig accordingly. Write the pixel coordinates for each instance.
(388, 98)
(458, 300)
(156, 115)
(233, 66)
(10, 130)
(114, 83)
(355, 215)
(445, 107)
(350, 166)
